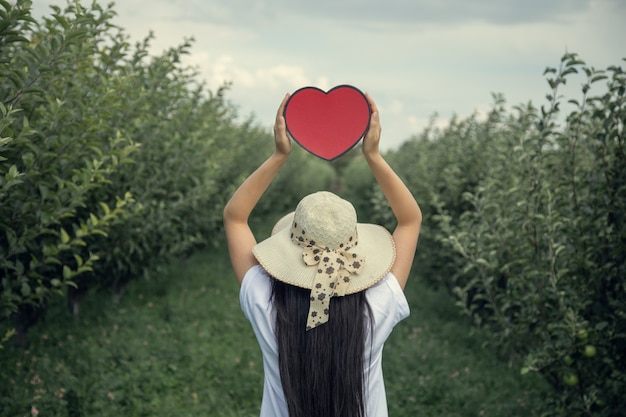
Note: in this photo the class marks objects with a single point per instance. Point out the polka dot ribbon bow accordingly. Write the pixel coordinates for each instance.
(334, 267)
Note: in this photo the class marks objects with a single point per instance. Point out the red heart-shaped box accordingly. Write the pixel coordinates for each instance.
(327, 124)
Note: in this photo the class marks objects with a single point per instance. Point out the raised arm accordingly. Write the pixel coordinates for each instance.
(402, 203)
(237, 211)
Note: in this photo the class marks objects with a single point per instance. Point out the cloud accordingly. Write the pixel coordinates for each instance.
(443, 11)
(243, 12)
(217, 70)
(225, 68)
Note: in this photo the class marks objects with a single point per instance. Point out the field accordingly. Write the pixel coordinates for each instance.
(176, 344)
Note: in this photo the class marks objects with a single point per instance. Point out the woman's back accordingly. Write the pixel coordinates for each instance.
(308, 364)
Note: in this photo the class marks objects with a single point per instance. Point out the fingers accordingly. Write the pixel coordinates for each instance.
(279, 124)
(283, 144)
(375, 116)
(370, 100)
(280, 114)
(372, 136)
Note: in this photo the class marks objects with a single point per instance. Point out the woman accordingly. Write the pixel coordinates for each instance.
(324, 292)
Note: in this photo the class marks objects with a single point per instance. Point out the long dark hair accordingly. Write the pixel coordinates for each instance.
(322, 370)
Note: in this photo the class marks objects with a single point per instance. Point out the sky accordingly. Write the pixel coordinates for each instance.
(419, 59)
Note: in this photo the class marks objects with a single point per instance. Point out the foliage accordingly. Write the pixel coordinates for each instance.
(111, 161)
(55, 153)
(438, 166)
(358, 187)
(532, 204)
(301, 175)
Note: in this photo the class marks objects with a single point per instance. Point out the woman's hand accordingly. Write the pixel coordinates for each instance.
(283, 143)
(371, 140)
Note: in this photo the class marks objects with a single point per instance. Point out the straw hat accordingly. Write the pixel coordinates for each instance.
(321, 247)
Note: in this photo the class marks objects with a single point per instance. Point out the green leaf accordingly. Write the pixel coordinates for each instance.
(5, 4)
(19, 268)
(601, 326)
(598, 78)
(570, 70)
(79, 242)
(106, 208)
(65, 238)
(67, 272)
(71, 284)
(62, 21)
(25, 290)
(52, 260)
(13, 173)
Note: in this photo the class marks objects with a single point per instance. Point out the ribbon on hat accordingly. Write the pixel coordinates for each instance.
(334, 267)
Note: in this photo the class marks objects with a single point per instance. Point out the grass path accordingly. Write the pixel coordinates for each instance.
(177, 344)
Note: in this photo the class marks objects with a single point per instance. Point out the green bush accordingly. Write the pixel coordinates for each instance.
(56, 152)
(111, 161)
(439, 166)
(358, 187)
(525, 211)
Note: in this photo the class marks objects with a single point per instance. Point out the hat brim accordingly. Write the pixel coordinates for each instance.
(282, 258)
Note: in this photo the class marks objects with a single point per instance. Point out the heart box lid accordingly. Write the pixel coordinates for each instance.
(327, 124)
